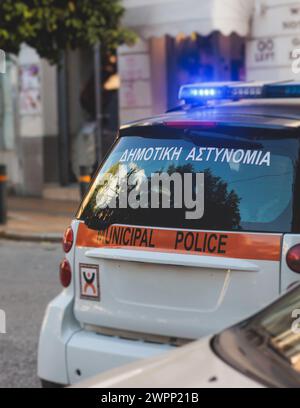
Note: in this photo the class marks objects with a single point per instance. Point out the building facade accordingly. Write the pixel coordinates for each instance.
(179, 42)
(275, 41)
(28, 122)
(43, 109)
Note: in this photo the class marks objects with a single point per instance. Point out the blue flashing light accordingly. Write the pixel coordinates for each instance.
(204, 92)
(201, 92)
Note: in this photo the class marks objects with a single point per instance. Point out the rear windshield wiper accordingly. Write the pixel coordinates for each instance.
(100, 221)
(99, 225)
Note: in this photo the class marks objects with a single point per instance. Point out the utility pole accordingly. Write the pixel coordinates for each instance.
(98, 100)
(63, 114)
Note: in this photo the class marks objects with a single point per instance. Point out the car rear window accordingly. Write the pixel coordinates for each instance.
(249, 179)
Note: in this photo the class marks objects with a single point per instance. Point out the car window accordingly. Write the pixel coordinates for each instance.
(248, 181)
(267, 346)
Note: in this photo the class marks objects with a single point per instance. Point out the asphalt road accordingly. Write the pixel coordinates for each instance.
(28, 281)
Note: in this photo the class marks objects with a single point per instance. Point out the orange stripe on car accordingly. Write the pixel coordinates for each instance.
(259, 246)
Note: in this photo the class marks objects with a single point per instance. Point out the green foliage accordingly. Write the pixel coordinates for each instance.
(51, 26)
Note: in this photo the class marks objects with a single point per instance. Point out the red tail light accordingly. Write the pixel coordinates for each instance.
(293, 258)
(68, 240)
(65, 273)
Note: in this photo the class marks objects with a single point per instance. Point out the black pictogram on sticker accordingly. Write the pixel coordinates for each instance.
(89, 282)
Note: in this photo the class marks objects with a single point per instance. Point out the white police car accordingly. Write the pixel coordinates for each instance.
(160, 268)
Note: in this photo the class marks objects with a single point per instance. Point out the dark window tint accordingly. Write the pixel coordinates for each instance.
(249, 179)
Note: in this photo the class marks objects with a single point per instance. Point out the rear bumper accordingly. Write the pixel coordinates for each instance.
(58, 327)
(68, 354)
(48, 384)
(89, 354)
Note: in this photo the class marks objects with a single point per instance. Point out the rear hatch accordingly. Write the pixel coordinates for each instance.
(207, 261)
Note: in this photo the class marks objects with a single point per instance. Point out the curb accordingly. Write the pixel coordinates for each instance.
(30, 237)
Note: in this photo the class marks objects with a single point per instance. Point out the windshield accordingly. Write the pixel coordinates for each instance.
(248, 180)
(267, 346)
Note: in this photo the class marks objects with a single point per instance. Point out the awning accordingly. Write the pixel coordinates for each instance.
(155, 18)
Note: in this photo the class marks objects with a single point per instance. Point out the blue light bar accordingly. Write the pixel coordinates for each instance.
(204, 92)
(283, 90)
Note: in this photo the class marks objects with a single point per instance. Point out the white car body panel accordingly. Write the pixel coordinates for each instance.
(92, 353)
(59, 325)
(170, 294)
(191, 366)
(58, 328)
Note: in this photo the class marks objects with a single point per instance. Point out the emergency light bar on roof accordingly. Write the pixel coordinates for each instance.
(212, 91)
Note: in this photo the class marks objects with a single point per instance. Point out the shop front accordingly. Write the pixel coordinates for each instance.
(179, 42)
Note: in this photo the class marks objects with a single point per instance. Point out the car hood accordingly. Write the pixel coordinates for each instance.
(192, 366)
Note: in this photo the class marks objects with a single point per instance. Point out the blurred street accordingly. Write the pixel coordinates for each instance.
(28, 282)
(38, 219)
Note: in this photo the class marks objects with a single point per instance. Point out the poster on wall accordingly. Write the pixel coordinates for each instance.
(134, 67)
(30, 90)
(135, 94)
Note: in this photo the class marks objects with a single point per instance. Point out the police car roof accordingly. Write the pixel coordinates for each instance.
(279, 113)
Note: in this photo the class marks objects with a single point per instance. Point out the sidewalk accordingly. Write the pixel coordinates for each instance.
(37, 219)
